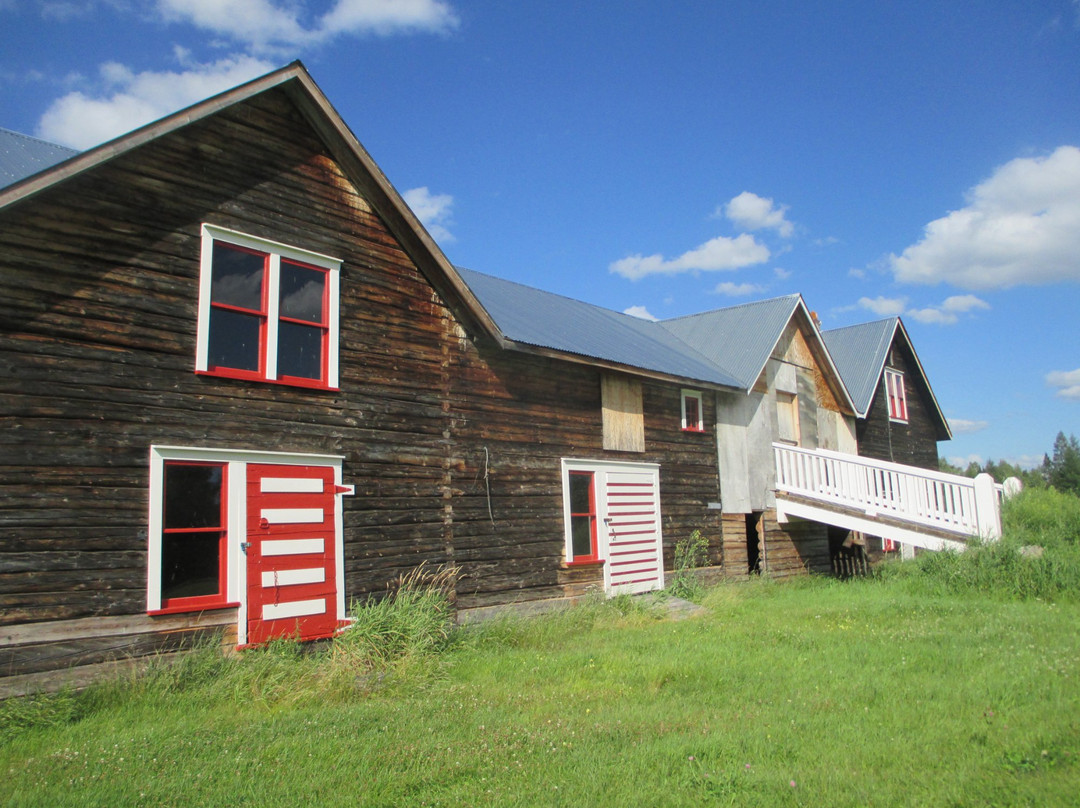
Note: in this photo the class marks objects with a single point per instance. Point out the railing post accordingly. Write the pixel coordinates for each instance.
(987, 509)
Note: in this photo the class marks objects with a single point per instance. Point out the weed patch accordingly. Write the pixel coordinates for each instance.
(691, 553)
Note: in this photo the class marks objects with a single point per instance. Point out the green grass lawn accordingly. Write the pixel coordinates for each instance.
(814, 693)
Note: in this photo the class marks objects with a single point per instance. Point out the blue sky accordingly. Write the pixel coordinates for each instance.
(913, 158)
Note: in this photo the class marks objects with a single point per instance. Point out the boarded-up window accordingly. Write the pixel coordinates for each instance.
(787, 417)
(623, 418)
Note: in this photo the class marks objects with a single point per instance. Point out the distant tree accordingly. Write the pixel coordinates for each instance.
(1063, 469)
(1000, 470)
(947, 467)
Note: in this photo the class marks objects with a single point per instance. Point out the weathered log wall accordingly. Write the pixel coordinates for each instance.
(516, 417)
(98, 291)
(454, 447)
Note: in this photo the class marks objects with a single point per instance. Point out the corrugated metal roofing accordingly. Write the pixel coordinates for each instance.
(22, 155)
(859, 353)
(738, 338)
(547, 320)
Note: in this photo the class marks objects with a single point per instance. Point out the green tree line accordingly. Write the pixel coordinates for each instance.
(1061, 470)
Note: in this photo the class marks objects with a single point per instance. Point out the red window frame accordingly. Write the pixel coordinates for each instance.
(323, 325)
(263, 313)
(219, 598)
(594, 550)
(695, 421)
(259, 374)
(896, 396)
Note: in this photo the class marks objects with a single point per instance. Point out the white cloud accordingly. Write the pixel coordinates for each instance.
(718, 254)
(1020, 226)
(932, 316)
(1067, 383)
(434, 210)
(752, 212)
(856, 273)
(963, 303)
(964, 462)
(386, 17)
(133, 99)
(949, 311)
(962, 426)
(255, 22)
(781, 274)
(270, 23)
(737, 289)
(640, 312)
(884, 306)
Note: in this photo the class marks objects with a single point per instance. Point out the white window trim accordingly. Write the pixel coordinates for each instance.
(236, 498)
(700, 425)
(277, 251)
(894, 388)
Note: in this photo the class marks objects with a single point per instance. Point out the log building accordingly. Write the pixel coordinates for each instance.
(242, 387)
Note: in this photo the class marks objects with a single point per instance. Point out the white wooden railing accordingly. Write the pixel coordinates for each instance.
(919, 497)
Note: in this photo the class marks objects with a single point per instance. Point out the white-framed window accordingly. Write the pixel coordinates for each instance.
(582, 544)
(267, 311)
(897, 399)
(693, 414)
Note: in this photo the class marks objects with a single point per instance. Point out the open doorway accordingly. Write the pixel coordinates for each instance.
(754, 542)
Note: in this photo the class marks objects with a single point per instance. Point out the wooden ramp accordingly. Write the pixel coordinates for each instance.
(910, 505)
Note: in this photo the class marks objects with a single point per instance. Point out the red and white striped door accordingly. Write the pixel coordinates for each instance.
(291, 574)
(633, 550)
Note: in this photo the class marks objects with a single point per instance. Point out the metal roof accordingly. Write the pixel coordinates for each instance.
(859, 352)
(738, 338)
(22, 155)
(546, 320)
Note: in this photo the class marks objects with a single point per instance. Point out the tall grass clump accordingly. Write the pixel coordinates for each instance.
(1038, 556)
(690, 554)
(413, 621)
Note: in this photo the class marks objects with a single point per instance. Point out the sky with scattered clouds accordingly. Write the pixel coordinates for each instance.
(919, 159)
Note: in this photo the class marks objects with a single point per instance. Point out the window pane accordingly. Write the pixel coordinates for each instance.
(581, 536)
(692, 417)
(190, 565)
(234, 340)
(300, 351)
(192, 496)
(237, 278)
(580, 488)
(301, 294)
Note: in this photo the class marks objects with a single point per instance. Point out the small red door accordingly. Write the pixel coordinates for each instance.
(291, 570)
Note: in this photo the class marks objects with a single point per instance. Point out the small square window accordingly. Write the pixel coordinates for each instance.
(267, 311)
(693, 419)
(897, 398)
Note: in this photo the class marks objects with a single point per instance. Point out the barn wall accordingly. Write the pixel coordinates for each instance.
(453, 446)
(516, 416)
(98, 290)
